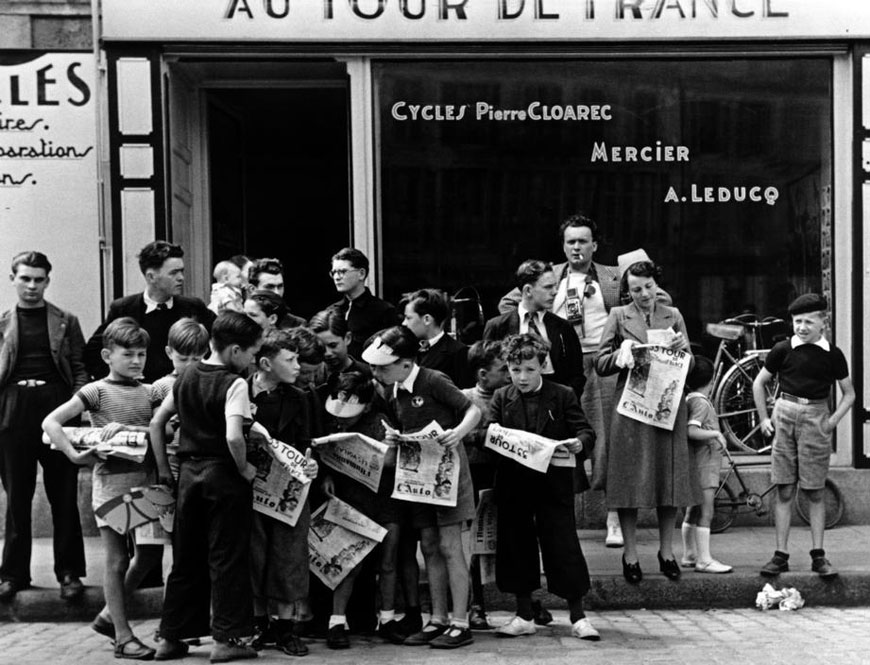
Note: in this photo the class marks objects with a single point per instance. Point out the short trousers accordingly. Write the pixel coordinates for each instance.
(801, 450)
(707, 463)
(425, 515)
(107, 486)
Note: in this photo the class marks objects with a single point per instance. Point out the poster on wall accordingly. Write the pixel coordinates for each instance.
(48, 173)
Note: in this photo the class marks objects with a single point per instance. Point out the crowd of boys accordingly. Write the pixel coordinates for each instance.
(195, 378)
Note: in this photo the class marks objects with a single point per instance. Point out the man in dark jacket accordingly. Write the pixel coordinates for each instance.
(41, 367)
(365, 313)
(538, 283)
(155, 309)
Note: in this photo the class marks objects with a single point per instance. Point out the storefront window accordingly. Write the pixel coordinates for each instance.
(720, 168)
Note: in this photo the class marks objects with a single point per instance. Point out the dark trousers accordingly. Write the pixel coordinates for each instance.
(538, 508)
(21, 448)
(211, 543)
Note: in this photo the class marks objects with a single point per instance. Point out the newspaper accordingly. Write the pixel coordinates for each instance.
(426, 471)
(527, 448)
(158, 532)
(339, 538)
(483, 528)
(280, 486)
(124, 445)
(355, 455)
(654, 387)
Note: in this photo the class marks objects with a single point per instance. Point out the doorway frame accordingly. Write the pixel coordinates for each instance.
(199, 273)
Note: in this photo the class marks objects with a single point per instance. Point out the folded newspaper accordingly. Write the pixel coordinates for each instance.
(355, 455)
(280, 485)
(531, 450)
(339, 538)
(654, 389)
(426, 471)
(124, 445)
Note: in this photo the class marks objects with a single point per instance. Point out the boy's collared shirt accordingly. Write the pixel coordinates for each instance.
(408, 383)
(432, 341)
(820, 342)
(807, 369)
(151, 304)
(526, 317)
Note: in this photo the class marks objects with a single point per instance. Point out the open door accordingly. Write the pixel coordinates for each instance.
(184, 133)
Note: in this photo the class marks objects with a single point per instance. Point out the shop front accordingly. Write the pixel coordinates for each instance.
(448, 138)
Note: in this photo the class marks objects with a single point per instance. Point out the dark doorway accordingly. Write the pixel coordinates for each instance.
(278, 165)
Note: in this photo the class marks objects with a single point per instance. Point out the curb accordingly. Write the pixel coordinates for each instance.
(693, 591)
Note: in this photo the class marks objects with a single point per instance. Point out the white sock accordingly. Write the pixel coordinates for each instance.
(690, 545)
(702, 537)
(612, 519)
(459, 623)
(337, 620)
(385, 616)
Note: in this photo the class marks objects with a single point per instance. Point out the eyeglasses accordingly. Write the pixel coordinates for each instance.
(341, 272)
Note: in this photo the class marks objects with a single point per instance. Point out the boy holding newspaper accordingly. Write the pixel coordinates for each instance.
(536, 506)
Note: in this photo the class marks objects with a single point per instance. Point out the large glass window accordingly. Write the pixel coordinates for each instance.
(720, 168)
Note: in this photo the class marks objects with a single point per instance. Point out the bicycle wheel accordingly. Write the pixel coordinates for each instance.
(735, 405)
(724, 509)
(834, 505)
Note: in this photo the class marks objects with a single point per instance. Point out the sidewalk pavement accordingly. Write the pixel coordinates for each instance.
(811, 636)
(746, 548)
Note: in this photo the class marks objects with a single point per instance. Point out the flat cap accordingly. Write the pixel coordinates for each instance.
(808, 302)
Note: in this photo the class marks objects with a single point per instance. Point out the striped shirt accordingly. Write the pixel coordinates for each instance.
(127, 402)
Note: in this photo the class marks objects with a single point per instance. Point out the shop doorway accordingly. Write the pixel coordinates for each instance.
(278, 182)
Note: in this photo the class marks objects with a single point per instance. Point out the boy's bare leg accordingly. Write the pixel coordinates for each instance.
(817, 517)
(341, 595)
(782, 515)
(457, 568)
(117, 562)
(436, 569)
(387, 576)
(145, 559)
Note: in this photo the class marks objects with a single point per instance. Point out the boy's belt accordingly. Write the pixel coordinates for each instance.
(30, 383)
(801, 400)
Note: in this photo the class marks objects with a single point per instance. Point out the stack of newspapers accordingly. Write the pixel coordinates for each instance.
(123, 445)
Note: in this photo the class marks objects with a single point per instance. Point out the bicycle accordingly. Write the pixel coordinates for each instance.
(728, 503)
(732, 385)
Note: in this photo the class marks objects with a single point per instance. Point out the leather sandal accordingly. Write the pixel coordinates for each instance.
(134, 649)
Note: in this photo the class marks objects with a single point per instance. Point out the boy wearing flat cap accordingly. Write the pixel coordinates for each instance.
(807, 366)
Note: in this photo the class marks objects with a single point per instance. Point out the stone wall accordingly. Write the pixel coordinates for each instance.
(46, 24)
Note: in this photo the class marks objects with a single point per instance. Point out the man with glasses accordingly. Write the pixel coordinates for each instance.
(365, 313)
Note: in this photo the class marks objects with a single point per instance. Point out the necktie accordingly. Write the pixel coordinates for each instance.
(162, 307)
(424, 345)
(533, 327)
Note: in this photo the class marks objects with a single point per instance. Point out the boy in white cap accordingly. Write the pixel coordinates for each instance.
(417, 397)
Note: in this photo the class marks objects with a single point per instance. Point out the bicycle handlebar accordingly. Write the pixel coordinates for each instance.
(741, 321)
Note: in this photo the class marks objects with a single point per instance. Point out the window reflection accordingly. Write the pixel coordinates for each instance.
(464, 201)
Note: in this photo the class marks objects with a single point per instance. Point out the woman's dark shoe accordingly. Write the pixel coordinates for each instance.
(669, 568)
(631, 571)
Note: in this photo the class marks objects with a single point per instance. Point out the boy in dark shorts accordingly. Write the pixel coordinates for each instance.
(807, 366)
(417, 396)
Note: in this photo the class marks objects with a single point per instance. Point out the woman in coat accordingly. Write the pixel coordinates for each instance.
(647, 467)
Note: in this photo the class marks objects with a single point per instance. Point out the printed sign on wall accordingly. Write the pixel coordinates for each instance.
(48, 173)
